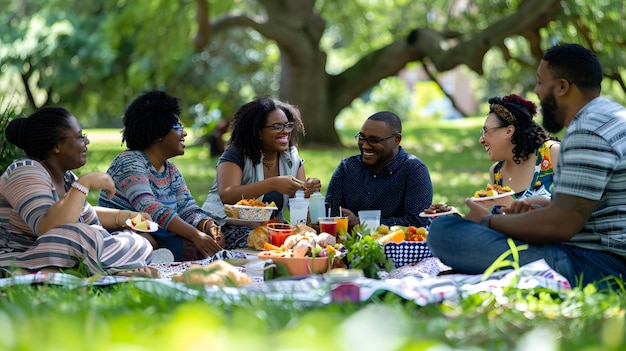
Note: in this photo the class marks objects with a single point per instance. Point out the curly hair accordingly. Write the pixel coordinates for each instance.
(528, 135)
(148, 118)
(38, 133)
(249, 120)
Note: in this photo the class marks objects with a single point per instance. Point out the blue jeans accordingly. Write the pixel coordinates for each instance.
(471, 248)
(182, 249)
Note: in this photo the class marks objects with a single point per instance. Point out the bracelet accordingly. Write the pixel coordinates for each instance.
(486, 221)
(80, 187)
(117, 216)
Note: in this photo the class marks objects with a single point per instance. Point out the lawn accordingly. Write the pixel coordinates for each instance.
(133, 316)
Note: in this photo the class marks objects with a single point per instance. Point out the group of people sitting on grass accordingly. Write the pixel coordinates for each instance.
(569, 215)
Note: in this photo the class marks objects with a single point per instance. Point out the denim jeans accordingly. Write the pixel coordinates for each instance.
(471, 248)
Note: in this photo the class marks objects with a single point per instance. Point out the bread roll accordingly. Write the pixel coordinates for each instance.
(258, 237)
(218, 273)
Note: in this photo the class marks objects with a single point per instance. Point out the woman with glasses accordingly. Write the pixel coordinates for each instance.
(261, 162)
(525, 154)
(147, 181)
(46, 222)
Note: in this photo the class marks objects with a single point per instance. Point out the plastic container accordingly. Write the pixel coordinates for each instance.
(298, 208)
(370, 219)
(317, 206)
(278, 233)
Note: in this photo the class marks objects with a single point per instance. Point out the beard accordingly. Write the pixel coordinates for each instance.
(550, 109)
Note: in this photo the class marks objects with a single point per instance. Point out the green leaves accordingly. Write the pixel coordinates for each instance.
(364, 252)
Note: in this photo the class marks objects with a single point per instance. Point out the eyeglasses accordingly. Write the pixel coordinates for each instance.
(279, 127)
(178, 127)
(81, 137)
(360, 139)
(484, 130)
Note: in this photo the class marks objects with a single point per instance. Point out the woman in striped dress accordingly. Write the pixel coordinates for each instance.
(46, 222)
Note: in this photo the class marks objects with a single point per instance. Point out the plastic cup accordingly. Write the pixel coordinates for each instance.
(328, 225)
(298, 210)
(370, 219)
(278, 232)
(342, 224)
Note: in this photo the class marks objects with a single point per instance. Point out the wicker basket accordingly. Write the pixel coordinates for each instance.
(407, 252)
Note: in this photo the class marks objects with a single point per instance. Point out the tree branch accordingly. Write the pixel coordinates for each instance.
(450, 97)
(444, 53)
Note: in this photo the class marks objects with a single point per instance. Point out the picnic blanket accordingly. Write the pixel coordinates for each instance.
(420, 283)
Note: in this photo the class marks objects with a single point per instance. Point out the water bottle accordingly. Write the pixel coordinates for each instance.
(317, 207)
(298, 208)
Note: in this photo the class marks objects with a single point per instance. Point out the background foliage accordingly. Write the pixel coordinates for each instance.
(94, 56)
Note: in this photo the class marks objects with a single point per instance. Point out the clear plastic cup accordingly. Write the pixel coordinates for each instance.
(278, 232)
(342, 224)
(370, 219)
(328, 225)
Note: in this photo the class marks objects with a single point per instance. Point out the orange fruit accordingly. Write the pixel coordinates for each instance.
(396, 237)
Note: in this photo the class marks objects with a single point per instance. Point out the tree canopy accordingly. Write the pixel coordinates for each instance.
(94, 56)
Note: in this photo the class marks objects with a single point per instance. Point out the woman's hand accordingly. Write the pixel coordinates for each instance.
(287, 185)
(312, 185)
(208, 226)
(97, 181)
(205, 244)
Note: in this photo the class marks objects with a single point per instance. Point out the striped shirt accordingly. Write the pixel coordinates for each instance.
(592, 165)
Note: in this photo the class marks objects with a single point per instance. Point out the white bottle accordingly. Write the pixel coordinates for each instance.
(298, 208)
(317, 206)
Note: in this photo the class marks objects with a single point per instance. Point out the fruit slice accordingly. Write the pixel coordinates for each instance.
(142, 225)
(270, 247)
(396, 237)
(136, 220)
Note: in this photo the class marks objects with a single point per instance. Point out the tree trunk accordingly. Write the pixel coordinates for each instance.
(297, 30)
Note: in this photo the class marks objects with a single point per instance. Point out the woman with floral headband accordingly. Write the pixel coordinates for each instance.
(526, 154)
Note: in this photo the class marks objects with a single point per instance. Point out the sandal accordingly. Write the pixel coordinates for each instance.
(141, 272)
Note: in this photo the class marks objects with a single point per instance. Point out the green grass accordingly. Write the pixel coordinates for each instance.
(134, 317)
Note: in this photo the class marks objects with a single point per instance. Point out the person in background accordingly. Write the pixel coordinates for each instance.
(382, 177)
(526, 155)
(260, 162)
(216, 138)
(46, 222)
(581, 233)
(147, 181)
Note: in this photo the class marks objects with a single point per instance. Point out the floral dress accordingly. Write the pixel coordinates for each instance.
(541, 183)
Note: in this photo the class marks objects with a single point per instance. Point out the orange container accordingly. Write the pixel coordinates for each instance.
(300, 266)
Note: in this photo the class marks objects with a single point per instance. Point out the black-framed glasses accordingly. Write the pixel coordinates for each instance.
(82, 137)
(178, 127)
(484, 130)
(373, 141)
(279, 127)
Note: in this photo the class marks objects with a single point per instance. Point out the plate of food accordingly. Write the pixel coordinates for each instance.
(139, 224)
(492, 192)
(493, 197)
(438, 209)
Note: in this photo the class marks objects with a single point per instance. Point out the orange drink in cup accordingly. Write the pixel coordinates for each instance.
(342, 225)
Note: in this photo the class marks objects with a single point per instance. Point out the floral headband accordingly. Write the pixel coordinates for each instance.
(503, 113)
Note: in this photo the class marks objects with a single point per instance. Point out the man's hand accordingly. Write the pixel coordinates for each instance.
(476, 212)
